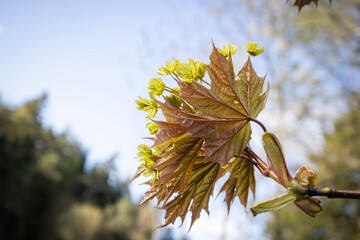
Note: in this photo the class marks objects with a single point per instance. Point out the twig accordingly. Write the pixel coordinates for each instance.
(333, 193)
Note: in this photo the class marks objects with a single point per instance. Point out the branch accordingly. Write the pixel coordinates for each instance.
(333, 193)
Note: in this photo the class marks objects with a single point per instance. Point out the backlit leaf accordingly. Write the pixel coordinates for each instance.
(276, 158)
(204, 128)
(272, 204)
(308, 174)
(221, 118)
(196, 196)
(249, 88)
(309, 206)
(167, 133)
(182, 152)
(241, 179)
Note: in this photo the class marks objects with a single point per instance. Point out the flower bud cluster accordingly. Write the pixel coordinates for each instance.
(228, 50)
(253, 50)
(191, 71)
(150, 106)
(146, 155)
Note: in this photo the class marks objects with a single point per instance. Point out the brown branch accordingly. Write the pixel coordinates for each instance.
(333, 193)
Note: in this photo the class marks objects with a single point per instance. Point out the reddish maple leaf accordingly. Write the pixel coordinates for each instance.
(204, 129)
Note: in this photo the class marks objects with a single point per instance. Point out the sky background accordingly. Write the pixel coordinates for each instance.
(94, 58)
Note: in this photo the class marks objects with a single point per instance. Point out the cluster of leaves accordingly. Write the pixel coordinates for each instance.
(305, 177)
(205, 128)
(206, 135)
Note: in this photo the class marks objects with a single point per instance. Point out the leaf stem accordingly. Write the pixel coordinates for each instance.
(263, 165)
(247, 158)
(255, 163)
(202, 80)
(170, 90)
(258, 122)
(333, 193)
(175, 77)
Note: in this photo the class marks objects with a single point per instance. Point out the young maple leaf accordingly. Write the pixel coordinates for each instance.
(204, 129)
(295, 186)
(223, 113)
(241, 179)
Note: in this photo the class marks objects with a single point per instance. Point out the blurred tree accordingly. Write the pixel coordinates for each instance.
(339, 166)
(312, 61)
(306, 53)
(46, 192)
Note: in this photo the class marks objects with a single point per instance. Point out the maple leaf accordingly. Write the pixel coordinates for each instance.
(177, 161)
(301, 3)
(241, 179)
(197, 194)
(204, 129)
(223, 112)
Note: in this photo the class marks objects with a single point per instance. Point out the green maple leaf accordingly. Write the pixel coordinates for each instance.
(204, 129)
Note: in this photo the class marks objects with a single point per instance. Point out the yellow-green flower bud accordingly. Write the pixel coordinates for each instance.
(149, 106)
(186, 71)
(253, 50)
(147, 154)
(148, 162)
(168, 68)
(153, 127)
(228, 50)
(191, 71)
(200, 69)
(175, 100)
(156, 86)
(144, 151)
(151, 172)
(148, 172)
(176, 63)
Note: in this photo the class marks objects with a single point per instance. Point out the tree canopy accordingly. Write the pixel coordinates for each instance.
(339, 164)
(46, 193)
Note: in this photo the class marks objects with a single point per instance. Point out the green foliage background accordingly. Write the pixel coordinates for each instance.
(339, 167)
(313, 69)
(46, 192)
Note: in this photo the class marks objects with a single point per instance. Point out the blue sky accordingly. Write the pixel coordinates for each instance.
(93, 58)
